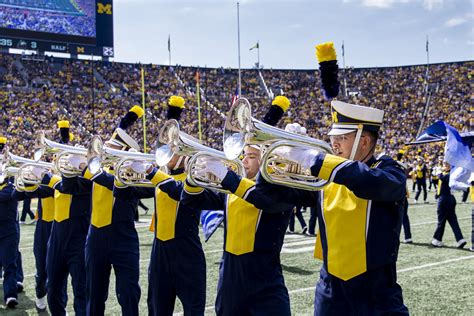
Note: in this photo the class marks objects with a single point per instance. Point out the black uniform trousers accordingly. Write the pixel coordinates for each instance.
(421, 185)
(65, 256)
(300, 217)
(252, 284)
(447, 213)
(26, 210)
(312, 221)
(177, 268)
(9, 240)
(406, 220)
(40, 247)
(374, 292)
(114, 245)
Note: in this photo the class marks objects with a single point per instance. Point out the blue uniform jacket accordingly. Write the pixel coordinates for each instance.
(377, 186)
(272, 222)
(8, 210)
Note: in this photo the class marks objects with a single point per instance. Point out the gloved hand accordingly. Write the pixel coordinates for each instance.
(208, 165)
(77, 160)
(295, 128)
(140, 166)
(38, 172)
(305, 157)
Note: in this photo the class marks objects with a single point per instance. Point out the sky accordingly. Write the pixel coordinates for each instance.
(375, 32)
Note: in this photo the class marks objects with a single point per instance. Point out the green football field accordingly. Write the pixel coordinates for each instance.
(435, 281)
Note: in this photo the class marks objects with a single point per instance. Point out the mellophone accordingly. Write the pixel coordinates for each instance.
(240, 130)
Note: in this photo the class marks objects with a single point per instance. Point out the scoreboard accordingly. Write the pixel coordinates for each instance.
(62, 26)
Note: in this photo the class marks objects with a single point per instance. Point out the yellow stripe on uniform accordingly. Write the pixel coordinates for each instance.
(47, 209)
(345, 218)
(244, 185)
(53, 181)
(88, 174)
(159, 177)
(329, 164)
(62, 205)
(192, 189)
(102, 205)
(31, 188)
(242, 218)
(166, 212)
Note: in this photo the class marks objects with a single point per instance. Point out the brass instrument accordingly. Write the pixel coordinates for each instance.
(241, 129)
(183, 144)
(100, 156)
(21, 169)
(62, 152)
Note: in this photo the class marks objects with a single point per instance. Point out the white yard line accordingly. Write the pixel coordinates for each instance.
(429, 265)
(435, 222)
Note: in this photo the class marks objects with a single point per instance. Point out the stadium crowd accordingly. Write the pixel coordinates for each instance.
(53, 89)
(50, 16)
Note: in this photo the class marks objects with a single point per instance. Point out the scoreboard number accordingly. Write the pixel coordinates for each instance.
(6, 42)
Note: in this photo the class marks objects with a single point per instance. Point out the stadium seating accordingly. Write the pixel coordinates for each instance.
(36, 93)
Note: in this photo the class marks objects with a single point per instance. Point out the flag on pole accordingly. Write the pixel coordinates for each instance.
(169, 43)
(456, 149)
(456, 152)
(427, 44)
(236, 96)
(210, 221)
(342, 48)
(254, 46)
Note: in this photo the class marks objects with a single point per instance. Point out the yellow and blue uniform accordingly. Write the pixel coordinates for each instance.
(421, 171)
(359, 214)
(19, 196)
(112, 241)
(45, 217)
(405, 219)
(446, 209)
(177, 264)
(250, 274)
(9, 238)
(72, 199)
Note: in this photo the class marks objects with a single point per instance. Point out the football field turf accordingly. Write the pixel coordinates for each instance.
(435, 281)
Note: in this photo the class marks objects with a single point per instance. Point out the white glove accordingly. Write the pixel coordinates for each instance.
(77, 160)
(305, 157)
(295, 128)
(208, 165)
(140, 166)
(38, 172)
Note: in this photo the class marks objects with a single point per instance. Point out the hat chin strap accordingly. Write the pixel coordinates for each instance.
(356, 141)
(178, 163)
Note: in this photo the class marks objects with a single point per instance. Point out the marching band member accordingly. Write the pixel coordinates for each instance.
(45, 217)
(421, 172)
(250, 276)
(43, 227)
(65, 255)
(112, 240)
(360, 215)
(446, 210)
(9, 238)
(406, 219)
(177, 264)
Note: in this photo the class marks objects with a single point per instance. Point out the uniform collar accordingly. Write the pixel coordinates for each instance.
(177, 171)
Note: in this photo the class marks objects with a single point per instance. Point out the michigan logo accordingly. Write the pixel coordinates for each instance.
(104, 9)
(80, 50)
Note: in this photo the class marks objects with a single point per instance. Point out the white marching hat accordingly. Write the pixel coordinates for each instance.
(348, 117)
